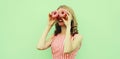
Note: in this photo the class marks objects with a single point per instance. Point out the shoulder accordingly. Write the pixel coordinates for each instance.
(78, 37)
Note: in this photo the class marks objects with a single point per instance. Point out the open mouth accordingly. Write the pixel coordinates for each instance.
(60, 20)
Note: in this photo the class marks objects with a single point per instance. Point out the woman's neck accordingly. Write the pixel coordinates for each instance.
(63, 29)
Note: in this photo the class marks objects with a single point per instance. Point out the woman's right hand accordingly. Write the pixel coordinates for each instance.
(51, 21)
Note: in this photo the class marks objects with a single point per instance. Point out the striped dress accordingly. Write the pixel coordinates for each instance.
(57, 47)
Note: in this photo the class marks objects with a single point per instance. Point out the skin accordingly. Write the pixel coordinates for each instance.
(69, 45)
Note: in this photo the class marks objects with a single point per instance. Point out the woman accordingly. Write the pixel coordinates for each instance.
(65, 42)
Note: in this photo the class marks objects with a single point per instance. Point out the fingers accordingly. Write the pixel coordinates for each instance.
(69, 13)
(69, 16)
(63, 19)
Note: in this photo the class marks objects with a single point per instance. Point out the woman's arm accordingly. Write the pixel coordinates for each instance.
(67, 43)
(43, 44)
(71, 44)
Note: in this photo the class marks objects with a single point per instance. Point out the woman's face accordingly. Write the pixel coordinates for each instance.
(60, 21)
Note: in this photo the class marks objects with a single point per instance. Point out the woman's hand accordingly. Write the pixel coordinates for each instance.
(67, 21)
(51, 21)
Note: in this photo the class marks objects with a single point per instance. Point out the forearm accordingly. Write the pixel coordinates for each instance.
(67, 43)
(42, 40)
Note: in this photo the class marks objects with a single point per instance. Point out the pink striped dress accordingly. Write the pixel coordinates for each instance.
(57, 47)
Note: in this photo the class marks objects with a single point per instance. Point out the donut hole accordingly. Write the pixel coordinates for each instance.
(62, 12)
(55, 13)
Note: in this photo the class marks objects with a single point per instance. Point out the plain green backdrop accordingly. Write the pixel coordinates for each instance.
(23, 21)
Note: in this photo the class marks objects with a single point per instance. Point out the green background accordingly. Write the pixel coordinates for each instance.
(23, 21)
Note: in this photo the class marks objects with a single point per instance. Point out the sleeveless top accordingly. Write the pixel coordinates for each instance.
(57, 47)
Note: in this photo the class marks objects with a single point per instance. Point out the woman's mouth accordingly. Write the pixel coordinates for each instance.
(60, 20)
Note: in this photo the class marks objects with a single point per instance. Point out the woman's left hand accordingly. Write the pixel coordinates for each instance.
(67, 21)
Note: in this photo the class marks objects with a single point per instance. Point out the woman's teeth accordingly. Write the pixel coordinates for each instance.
(60, 20)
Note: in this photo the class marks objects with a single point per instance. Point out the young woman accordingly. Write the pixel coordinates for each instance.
(65, 42)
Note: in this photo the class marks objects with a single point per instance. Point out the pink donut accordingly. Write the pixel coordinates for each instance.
(54, 14)
(62, 13)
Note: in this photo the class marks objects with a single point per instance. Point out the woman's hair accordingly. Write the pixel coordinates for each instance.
(74, 24)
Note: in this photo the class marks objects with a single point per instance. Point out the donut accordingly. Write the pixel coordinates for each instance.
(54, 14)
(62, 13)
